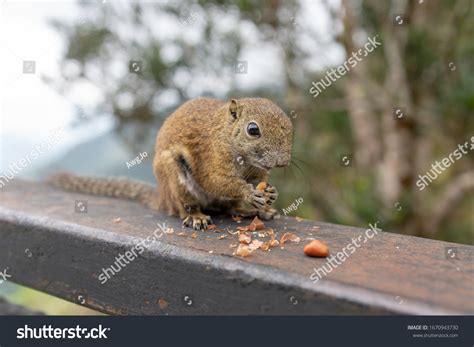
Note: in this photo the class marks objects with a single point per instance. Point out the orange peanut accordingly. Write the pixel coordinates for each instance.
(261, 186)
(316, 249)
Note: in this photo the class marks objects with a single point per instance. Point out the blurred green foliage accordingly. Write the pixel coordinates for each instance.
(40, 302)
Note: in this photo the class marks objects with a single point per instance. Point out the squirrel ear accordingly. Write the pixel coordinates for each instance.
(233, 108)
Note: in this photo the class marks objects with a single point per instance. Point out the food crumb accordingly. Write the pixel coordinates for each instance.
(243, 251)
(194, 235)
(255, 244)
(163, 304)
(255, 224)
(289, 237)
(117, 220)
(244, 238)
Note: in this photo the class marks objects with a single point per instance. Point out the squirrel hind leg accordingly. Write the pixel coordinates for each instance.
(197, 221)
(179, 193)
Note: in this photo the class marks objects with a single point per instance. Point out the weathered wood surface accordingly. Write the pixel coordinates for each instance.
(50, 247)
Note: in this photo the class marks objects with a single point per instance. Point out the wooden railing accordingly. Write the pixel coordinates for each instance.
(60, 243)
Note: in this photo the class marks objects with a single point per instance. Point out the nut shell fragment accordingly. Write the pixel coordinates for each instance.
(243, 251)
(244, 238)
(289, 237)
(255, 224)
(255, 244)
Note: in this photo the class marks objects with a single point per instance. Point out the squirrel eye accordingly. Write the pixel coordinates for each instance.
(252, 129)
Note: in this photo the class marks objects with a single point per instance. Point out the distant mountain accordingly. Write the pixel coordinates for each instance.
(13, 147)
(103, 155)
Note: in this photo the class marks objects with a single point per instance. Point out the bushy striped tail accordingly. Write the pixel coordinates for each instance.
(117, 187)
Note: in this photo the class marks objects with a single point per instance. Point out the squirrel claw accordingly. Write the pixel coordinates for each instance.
(197, 221)
(257, 201)
(188, 221)
(271, 194)
(270, 189)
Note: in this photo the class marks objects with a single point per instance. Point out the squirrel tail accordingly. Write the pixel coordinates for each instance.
(117, 187)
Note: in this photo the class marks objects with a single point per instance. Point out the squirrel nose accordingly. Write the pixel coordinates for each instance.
(283, 161)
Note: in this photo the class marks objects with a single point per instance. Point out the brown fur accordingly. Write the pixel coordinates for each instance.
(205, 161)
(117, 187)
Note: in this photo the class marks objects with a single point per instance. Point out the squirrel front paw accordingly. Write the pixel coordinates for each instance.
(255, 198)
(271, 194)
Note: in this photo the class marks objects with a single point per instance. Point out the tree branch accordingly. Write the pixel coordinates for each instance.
(448, 200)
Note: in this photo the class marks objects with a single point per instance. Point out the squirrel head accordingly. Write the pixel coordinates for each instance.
(261, 133)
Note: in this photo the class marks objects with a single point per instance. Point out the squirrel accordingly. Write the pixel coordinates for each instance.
(209, 156)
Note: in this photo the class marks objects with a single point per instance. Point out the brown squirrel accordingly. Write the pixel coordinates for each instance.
(209, 156)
